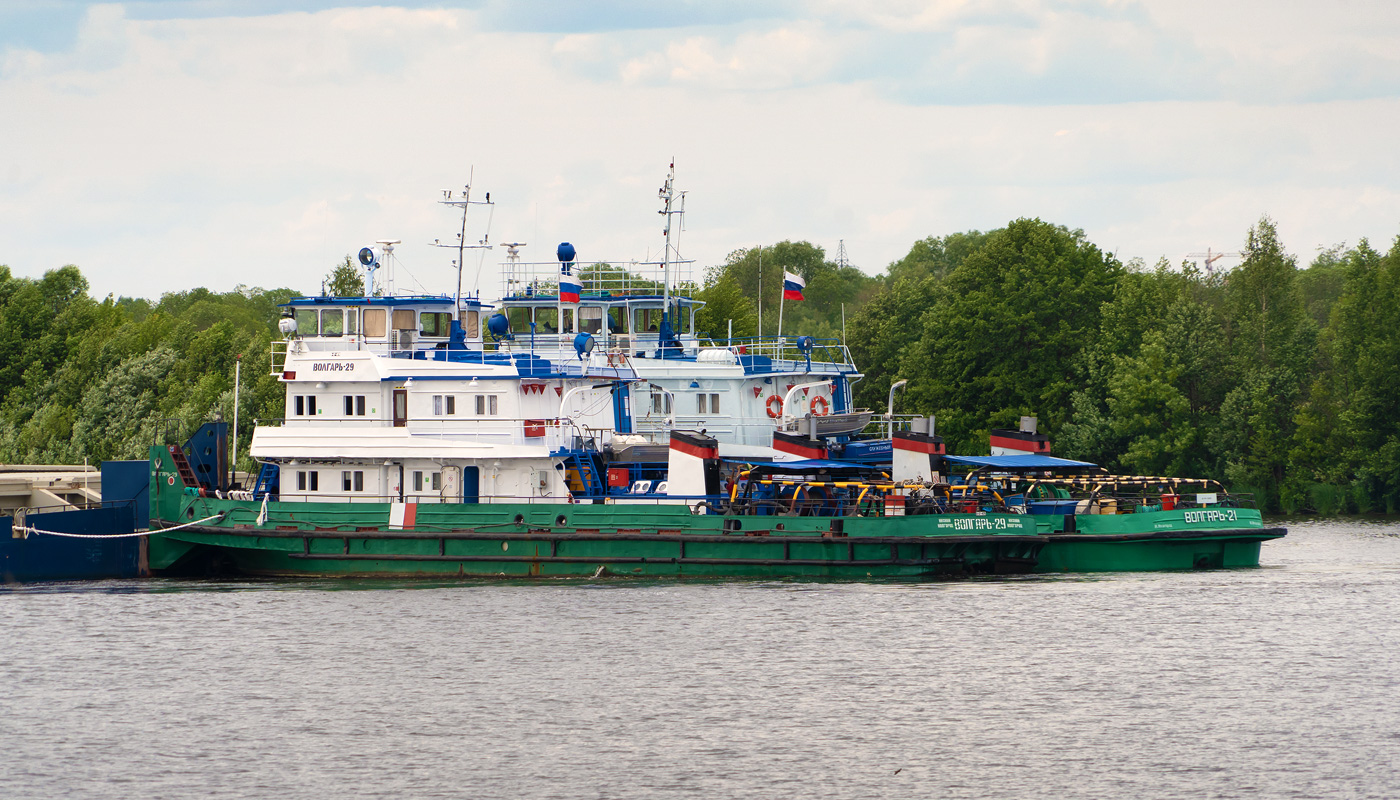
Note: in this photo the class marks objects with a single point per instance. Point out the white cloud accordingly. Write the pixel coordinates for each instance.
(167, 154)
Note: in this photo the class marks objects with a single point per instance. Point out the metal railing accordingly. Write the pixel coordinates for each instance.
(618, 278)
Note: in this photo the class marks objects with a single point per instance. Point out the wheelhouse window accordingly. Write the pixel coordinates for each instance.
(332, 322)
(546, 320)
(434, 323)
(376, 320)
(590, 319)
(306, 322)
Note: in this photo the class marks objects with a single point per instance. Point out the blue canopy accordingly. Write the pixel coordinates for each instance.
(1021, 462)
(803, 466)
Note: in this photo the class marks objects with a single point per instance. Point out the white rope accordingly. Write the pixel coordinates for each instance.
(28, 529)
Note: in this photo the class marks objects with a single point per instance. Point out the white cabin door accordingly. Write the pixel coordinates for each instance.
(451, 484)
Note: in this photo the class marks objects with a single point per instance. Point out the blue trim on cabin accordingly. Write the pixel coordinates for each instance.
(418, 300)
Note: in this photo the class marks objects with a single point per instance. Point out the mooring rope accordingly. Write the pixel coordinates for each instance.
(28, 529)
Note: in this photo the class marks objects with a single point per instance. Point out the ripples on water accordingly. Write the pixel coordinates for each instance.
(1275, 682)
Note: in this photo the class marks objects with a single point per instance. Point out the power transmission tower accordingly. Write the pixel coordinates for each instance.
(841, 260)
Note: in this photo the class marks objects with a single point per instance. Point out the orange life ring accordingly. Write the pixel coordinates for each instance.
(775, 407)
(819, 406)
(617, 358)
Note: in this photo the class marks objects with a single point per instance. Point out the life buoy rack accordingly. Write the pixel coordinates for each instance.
(617, 358)
(820, 406)
(775, 406)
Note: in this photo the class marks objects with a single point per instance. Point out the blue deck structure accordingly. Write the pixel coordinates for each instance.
(124, 510)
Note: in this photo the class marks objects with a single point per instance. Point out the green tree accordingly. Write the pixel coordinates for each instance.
(1004, 331)
(345, 280)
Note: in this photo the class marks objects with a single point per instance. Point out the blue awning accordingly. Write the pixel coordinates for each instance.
(803, 466)
(1021, 462)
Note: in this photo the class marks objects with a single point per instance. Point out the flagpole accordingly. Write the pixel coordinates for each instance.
(781, 300)
(760, 293)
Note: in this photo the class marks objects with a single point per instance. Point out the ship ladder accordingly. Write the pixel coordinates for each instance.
(266, 477)
(182, 465)
(588, 474)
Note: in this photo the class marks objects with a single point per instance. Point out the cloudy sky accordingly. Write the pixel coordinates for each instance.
(169, 144)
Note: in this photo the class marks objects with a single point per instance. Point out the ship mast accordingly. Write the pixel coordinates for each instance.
(674, 205)
(463, 201)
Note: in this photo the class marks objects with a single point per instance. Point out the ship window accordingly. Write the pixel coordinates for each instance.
(417, 481)
(590, 319)
(646, 320)
(352, 481)
(374, 322)
(486, 405)
(714, 404)
(332, 321)
(546, 320)
(660, 403)
(352, 320)
(437, 405)
(307, 480)
(311, 405)
(437, 481)
(471, 322)
(301, 481)
(403, 319)
(300, 403)
(701, 406)
(359, 481)
(434, 323)
(451, 404)
(306, 321)
(359, 405)
(349, 405)
(569, 321)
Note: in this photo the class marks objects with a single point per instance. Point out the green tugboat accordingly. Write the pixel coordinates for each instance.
(585, 426)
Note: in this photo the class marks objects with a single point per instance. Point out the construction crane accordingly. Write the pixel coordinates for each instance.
(1211, 257)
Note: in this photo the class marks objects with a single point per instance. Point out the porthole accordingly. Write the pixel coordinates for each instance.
(561, 521)
(519, 519)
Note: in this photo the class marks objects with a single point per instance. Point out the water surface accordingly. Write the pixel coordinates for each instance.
(1273, 682)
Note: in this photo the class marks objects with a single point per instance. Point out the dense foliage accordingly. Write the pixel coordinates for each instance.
(1273, 378)
(82, 379)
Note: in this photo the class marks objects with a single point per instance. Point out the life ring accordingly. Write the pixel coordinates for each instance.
(820, 406)
(775, 407)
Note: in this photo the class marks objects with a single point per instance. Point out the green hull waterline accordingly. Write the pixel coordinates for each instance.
(565, 540)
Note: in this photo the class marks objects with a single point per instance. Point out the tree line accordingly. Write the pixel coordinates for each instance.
(1274, 378)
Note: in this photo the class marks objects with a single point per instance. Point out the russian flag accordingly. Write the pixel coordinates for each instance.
(793, 286)
(569, 287)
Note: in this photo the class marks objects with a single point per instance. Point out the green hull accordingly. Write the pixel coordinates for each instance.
(566, 540)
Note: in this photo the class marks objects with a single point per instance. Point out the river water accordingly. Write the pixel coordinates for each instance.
(1282, 681)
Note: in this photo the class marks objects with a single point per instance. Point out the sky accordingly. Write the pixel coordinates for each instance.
(171, 144)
